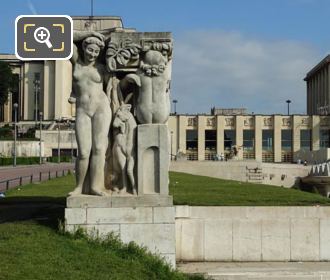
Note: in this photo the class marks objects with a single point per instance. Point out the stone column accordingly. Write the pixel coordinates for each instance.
(182, 133)
(277, 121)
(239, 136)
(220, 135)
(173, 132)
(201, 137)
(8, 108)
(49, 88)
(315, 133)
(258, 138)
(296, 120)
(63, 87)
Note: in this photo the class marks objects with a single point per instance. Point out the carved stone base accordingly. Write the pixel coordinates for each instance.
(147, 220)
(152, 159)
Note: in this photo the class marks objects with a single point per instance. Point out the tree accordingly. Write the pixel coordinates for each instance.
(8, 81)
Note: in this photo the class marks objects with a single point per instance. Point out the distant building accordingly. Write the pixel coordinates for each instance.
(318, 88)
(265, 138)
(228, 111)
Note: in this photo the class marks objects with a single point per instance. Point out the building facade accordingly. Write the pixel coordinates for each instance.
(318, 88)
(273, 138)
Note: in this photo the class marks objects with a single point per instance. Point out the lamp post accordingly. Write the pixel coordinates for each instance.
(171, 145)
(71, 126)
(40, 127)
(36, 83)
(174, 102)
(15, 132)
(58, 141)
(288, 101)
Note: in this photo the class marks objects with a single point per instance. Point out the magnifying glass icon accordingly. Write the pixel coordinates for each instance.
(41, 35)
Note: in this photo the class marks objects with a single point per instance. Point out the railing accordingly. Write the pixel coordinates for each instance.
(5, 185)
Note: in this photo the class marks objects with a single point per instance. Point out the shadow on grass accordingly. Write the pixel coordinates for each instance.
(47, 211)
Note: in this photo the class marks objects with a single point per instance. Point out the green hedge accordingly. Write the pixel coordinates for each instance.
(31, 160)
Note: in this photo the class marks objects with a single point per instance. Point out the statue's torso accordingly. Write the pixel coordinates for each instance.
(88, 87)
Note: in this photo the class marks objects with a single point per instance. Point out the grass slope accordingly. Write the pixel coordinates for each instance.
(199, 190)
(29, 250)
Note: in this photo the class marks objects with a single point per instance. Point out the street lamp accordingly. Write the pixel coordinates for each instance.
(58, 141)
(171, 145)
(15, 132)
(71, 126)
(40, 126)
(288, 101)
(36, 83)
(174, 102)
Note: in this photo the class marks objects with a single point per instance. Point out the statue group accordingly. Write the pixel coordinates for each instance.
(120, 80)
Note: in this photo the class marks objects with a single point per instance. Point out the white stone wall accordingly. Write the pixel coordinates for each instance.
(273, 174)
(23, 148)
(252, 233)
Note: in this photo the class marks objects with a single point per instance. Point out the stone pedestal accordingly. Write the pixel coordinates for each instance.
(152, 159)
(147, 220)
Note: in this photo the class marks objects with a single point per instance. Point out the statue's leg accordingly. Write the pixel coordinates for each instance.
(84, 141)
(123, 176)
(100, 129)
(130, 173)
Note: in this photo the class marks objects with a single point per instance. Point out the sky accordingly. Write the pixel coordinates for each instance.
(227, 53)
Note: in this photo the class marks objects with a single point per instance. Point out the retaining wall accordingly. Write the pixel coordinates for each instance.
(23, 148)
(252, 233)
(286, 175)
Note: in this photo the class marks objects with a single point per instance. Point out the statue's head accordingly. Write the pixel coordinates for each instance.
(92, 47)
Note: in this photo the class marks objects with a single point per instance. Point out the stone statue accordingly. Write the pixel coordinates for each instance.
(133, 68)
(153, 80)
(124, 126)
(93, 113)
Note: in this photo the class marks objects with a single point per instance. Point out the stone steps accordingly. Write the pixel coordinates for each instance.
(264, 276)
(260, 270)
(254, 175)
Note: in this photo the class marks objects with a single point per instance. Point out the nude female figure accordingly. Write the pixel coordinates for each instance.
(93, 113)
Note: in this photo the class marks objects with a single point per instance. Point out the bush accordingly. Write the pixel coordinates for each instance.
(30, 160)
(19, 161)
(6, 132)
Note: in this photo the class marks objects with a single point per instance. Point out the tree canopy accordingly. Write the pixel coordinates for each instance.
(8, 81)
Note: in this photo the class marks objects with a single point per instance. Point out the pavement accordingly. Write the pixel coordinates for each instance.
(259, 270)
(26, 171)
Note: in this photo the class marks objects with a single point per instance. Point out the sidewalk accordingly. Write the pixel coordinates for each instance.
(30, 172)
(259, 270)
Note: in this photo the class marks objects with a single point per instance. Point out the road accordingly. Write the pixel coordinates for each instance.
(43, 172)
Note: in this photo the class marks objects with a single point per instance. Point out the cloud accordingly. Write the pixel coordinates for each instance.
(228, 70)
(31, 7)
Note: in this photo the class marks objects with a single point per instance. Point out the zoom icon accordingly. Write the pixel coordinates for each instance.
(43, 37)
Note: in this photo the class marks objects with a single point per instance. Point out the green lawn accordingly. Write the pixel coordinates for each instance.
(189, 190)
(199, 190)
(33, 247)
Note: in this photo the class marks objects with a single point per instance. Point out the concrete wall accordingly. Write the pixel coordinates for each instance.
(252, 233)
(23, 148)
(284, 175)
